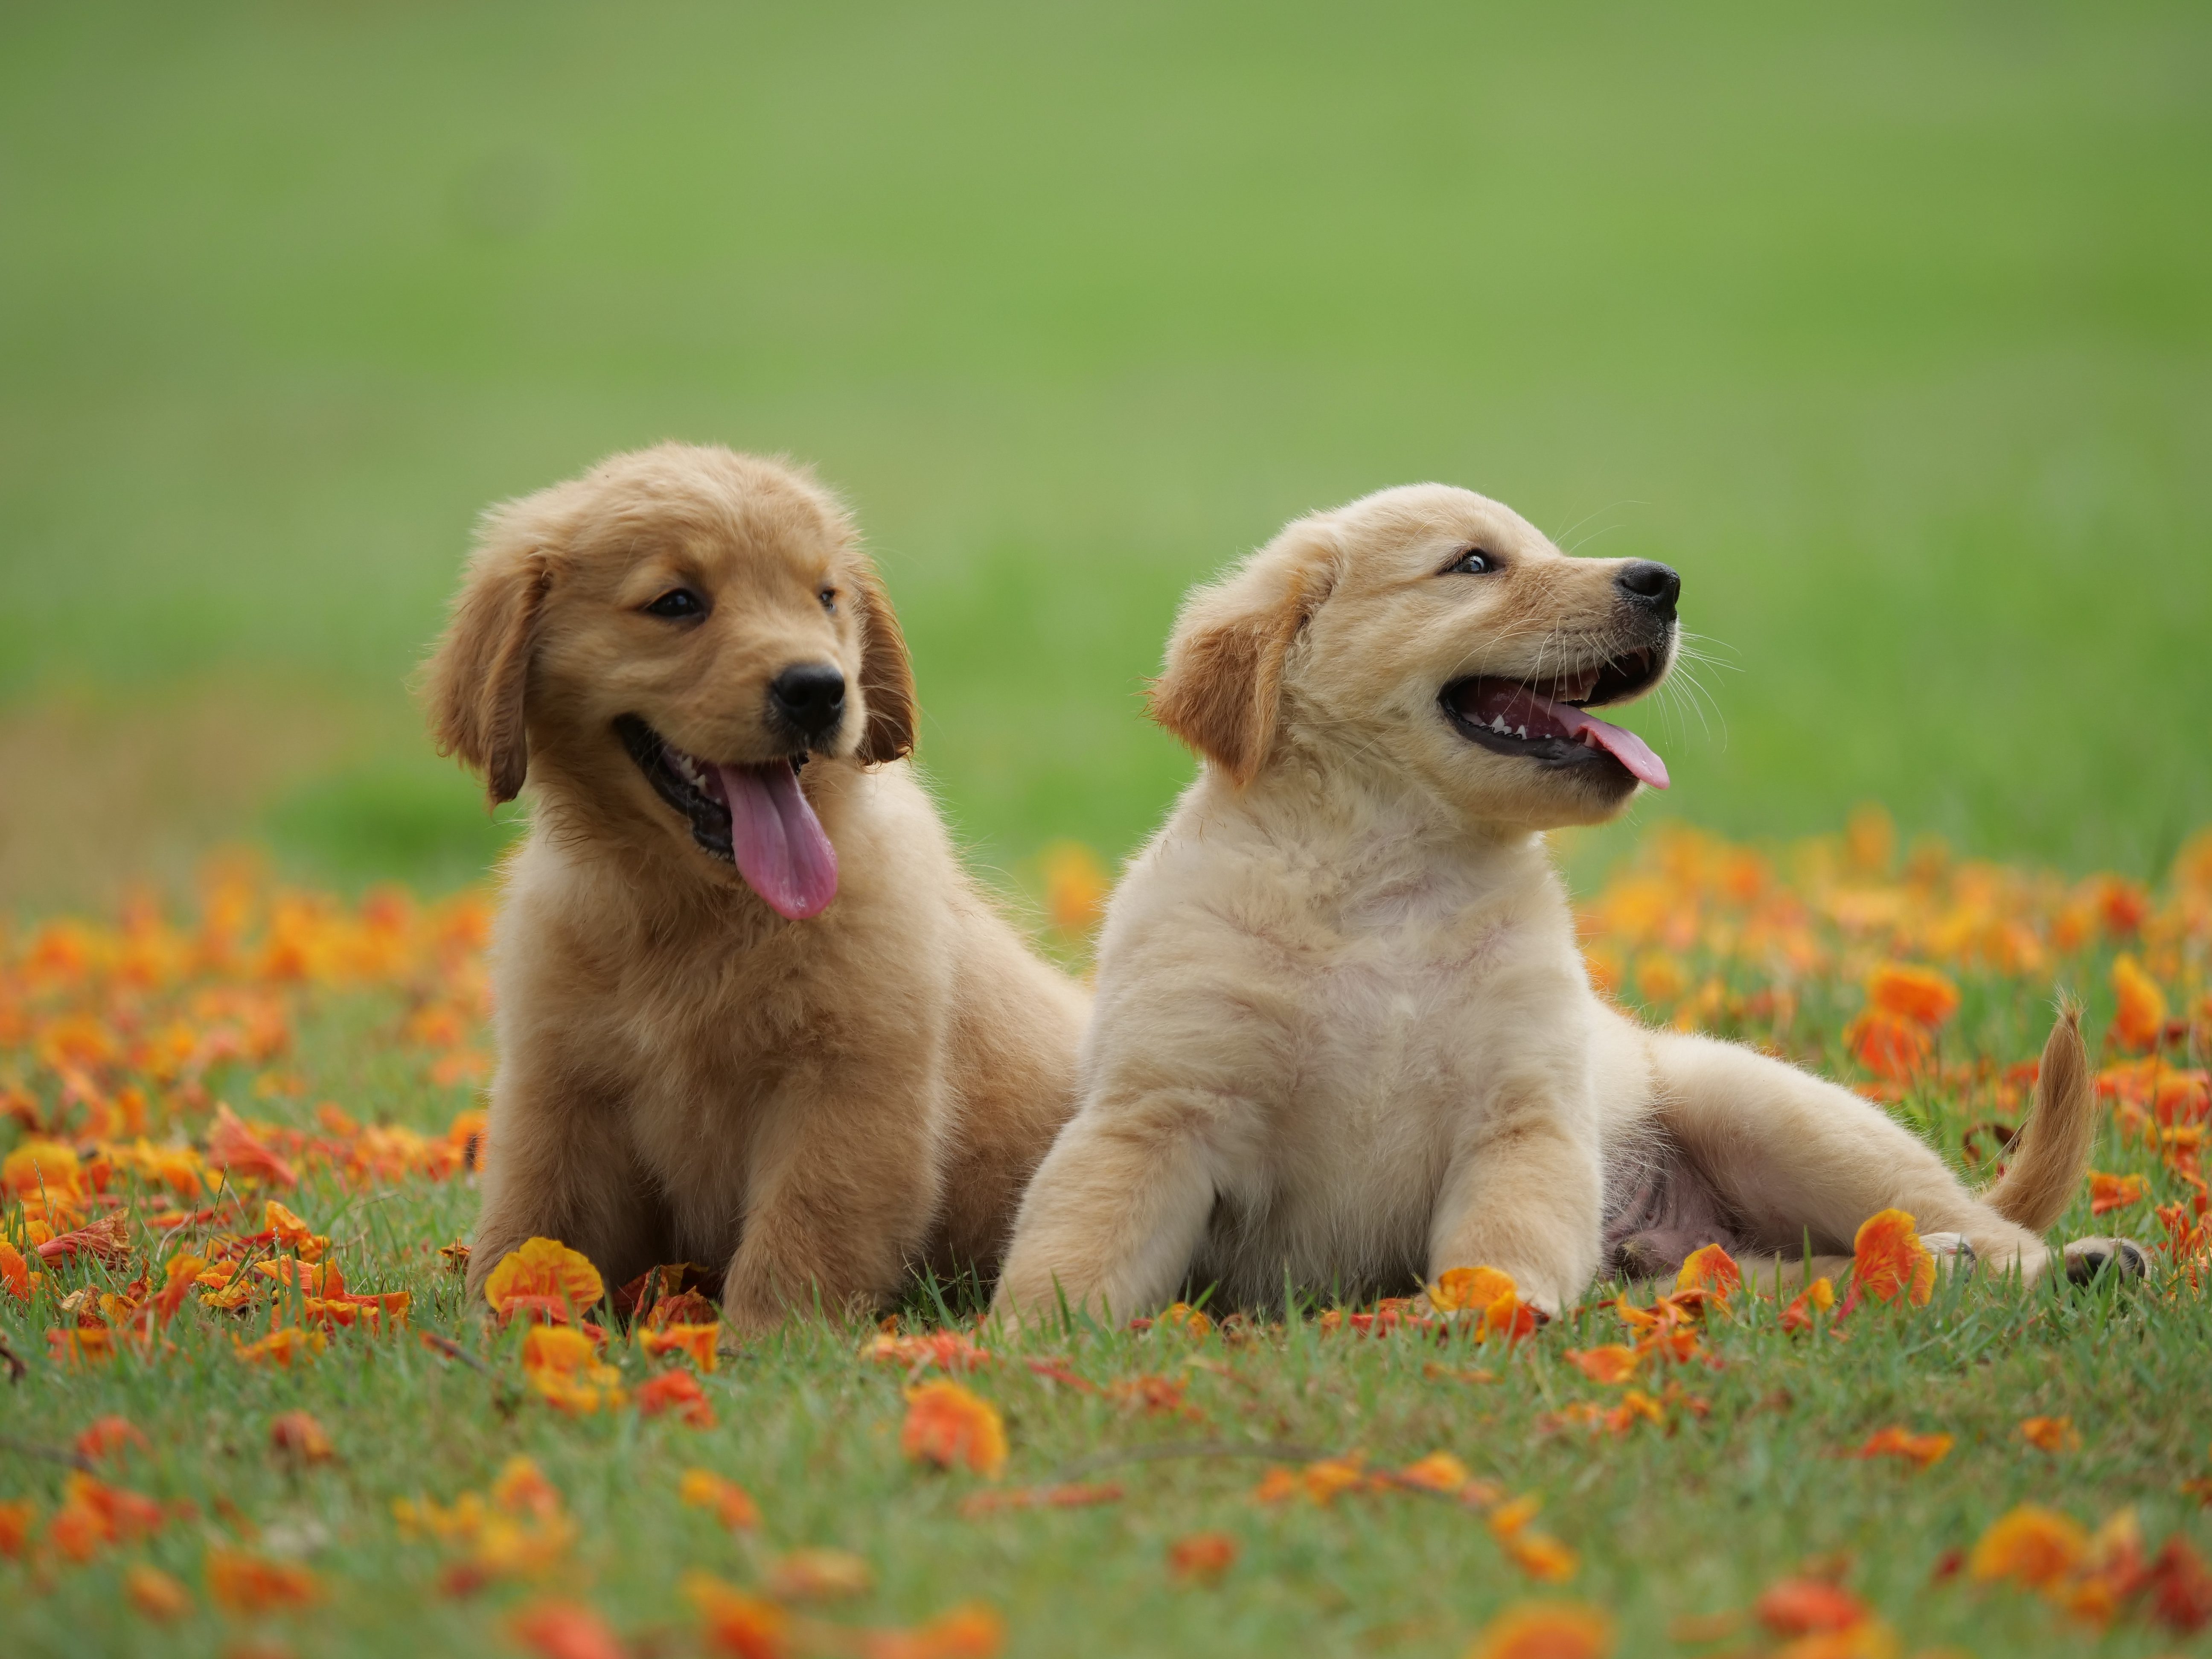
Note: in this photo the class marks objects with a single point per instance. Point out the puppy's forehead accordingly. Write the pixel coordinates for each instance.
(763, 524)
(1420, 521)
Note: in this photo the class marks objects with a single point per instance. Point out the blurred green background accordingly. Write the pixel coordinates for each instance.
(1887, 325)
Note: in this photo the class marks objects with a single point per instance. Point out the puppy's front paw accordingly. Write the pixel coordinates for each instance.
(2087, 1259)
(748, 1320)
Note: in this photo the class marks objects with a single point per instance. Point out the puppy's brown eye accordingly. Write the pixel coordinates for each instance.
(677, 602)
(1474, 562)
(829, 598)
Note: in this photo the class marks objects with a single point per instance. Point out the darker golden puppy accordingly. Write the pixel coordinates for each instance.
(751, 1013)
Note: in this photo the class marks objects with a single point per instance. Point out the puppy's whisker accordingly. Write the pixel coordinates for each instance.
(1561, 539)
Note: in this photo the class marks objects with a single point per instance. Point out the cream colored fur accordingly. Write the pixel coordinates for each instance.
(1343, 1037)
(814, 1106)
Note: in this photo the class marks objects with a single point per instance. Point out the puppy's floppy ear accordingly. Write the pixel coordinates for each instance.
(886, 675)
(474, 682)
(1221, 690)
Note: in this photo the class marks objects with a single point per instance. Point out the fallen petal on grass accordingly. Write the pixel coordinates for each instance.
(732, 1504)
(299, 1438)
(241, 1581)
(155, 1594)
(1202, 1558)
(1556, 1630)
(948, 1425)
(566, 1630)
(1921, 1451)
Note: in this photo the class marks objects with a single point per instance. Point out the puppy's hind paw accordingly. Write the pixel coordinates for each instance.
(2087, 1259)
(1954, 1245)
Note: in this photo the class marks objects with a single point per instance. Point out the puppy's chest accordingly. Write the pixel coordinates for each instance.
(701, 1077)
(1391, 1018)
(1388, 1052)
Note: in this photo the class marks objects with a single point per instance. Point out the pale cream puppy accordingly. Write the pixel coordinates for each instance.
(1343, 1038)
(750, 1011)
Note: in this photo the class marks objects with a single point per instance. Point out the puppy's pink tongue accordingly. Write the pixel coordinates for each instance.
(1508, 707)
(780, 847)
(1623, 746)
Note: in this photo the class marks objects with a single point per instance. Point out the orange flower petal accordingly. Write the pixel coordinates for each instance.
(153, 1595)
(746, 1626)
(16, 1272)
(1922, 995)
(970, 1631)
(1182, 1316)
(2108, 1193)
(1544, 1631)
(284, 1346)
(1458, 1288)
(1818, 1296)
(2030, 1545)
(1799, 1607)
(566, 1630)
(948, 1350)
(243, 1582)
(1888, 1259)
(676, 1390)
(732, 1505)
(946, 1424)
(17, 1516)
(1923, 1450)
(1709, 1268)
(1612, 1363)
(292, 1233)
(107, 1436)
(1202, 1558)
(2141, 1017)
(37, 1167)
(1541, 1556)
(544, 1267)
(1889, 1045)
(563, 1367)
(297, 1436)
(695, 1342)
(1323, 1479)
(1438, 1472)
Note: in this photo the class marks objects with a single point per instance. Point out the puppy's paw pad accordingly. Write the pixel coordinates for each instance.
(2089, 1258)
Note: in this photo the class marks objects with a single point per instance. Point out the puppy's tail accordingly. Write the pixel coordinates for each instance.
(2048, 1158)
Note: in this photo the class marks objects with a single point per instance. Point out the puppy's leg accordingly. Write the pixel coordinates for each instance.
(557, 1163)
(1524, 1195)
(1116, 1210)
(839, 1206)
(1791, 1154)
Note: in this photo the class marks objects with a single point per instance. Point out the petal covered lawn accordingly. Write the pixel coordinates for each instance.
(249, 1410)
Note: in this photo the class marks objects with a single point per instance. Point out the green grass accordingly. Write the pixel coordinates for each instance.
(1689, 1521)
(1692, 1521)
(1889, 328)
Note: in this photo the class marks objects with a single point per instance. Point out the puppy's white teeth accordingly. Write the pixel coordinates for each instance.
(1497, 722)
(1520, 732)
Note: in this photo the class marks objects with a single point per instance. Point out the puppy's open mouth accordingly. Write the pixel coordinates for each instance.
(754, 817)
(1544, 720)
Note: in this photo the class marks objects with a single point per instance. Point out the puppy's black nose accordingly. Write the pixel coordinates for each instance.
(1650, 584)
(809, 696)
